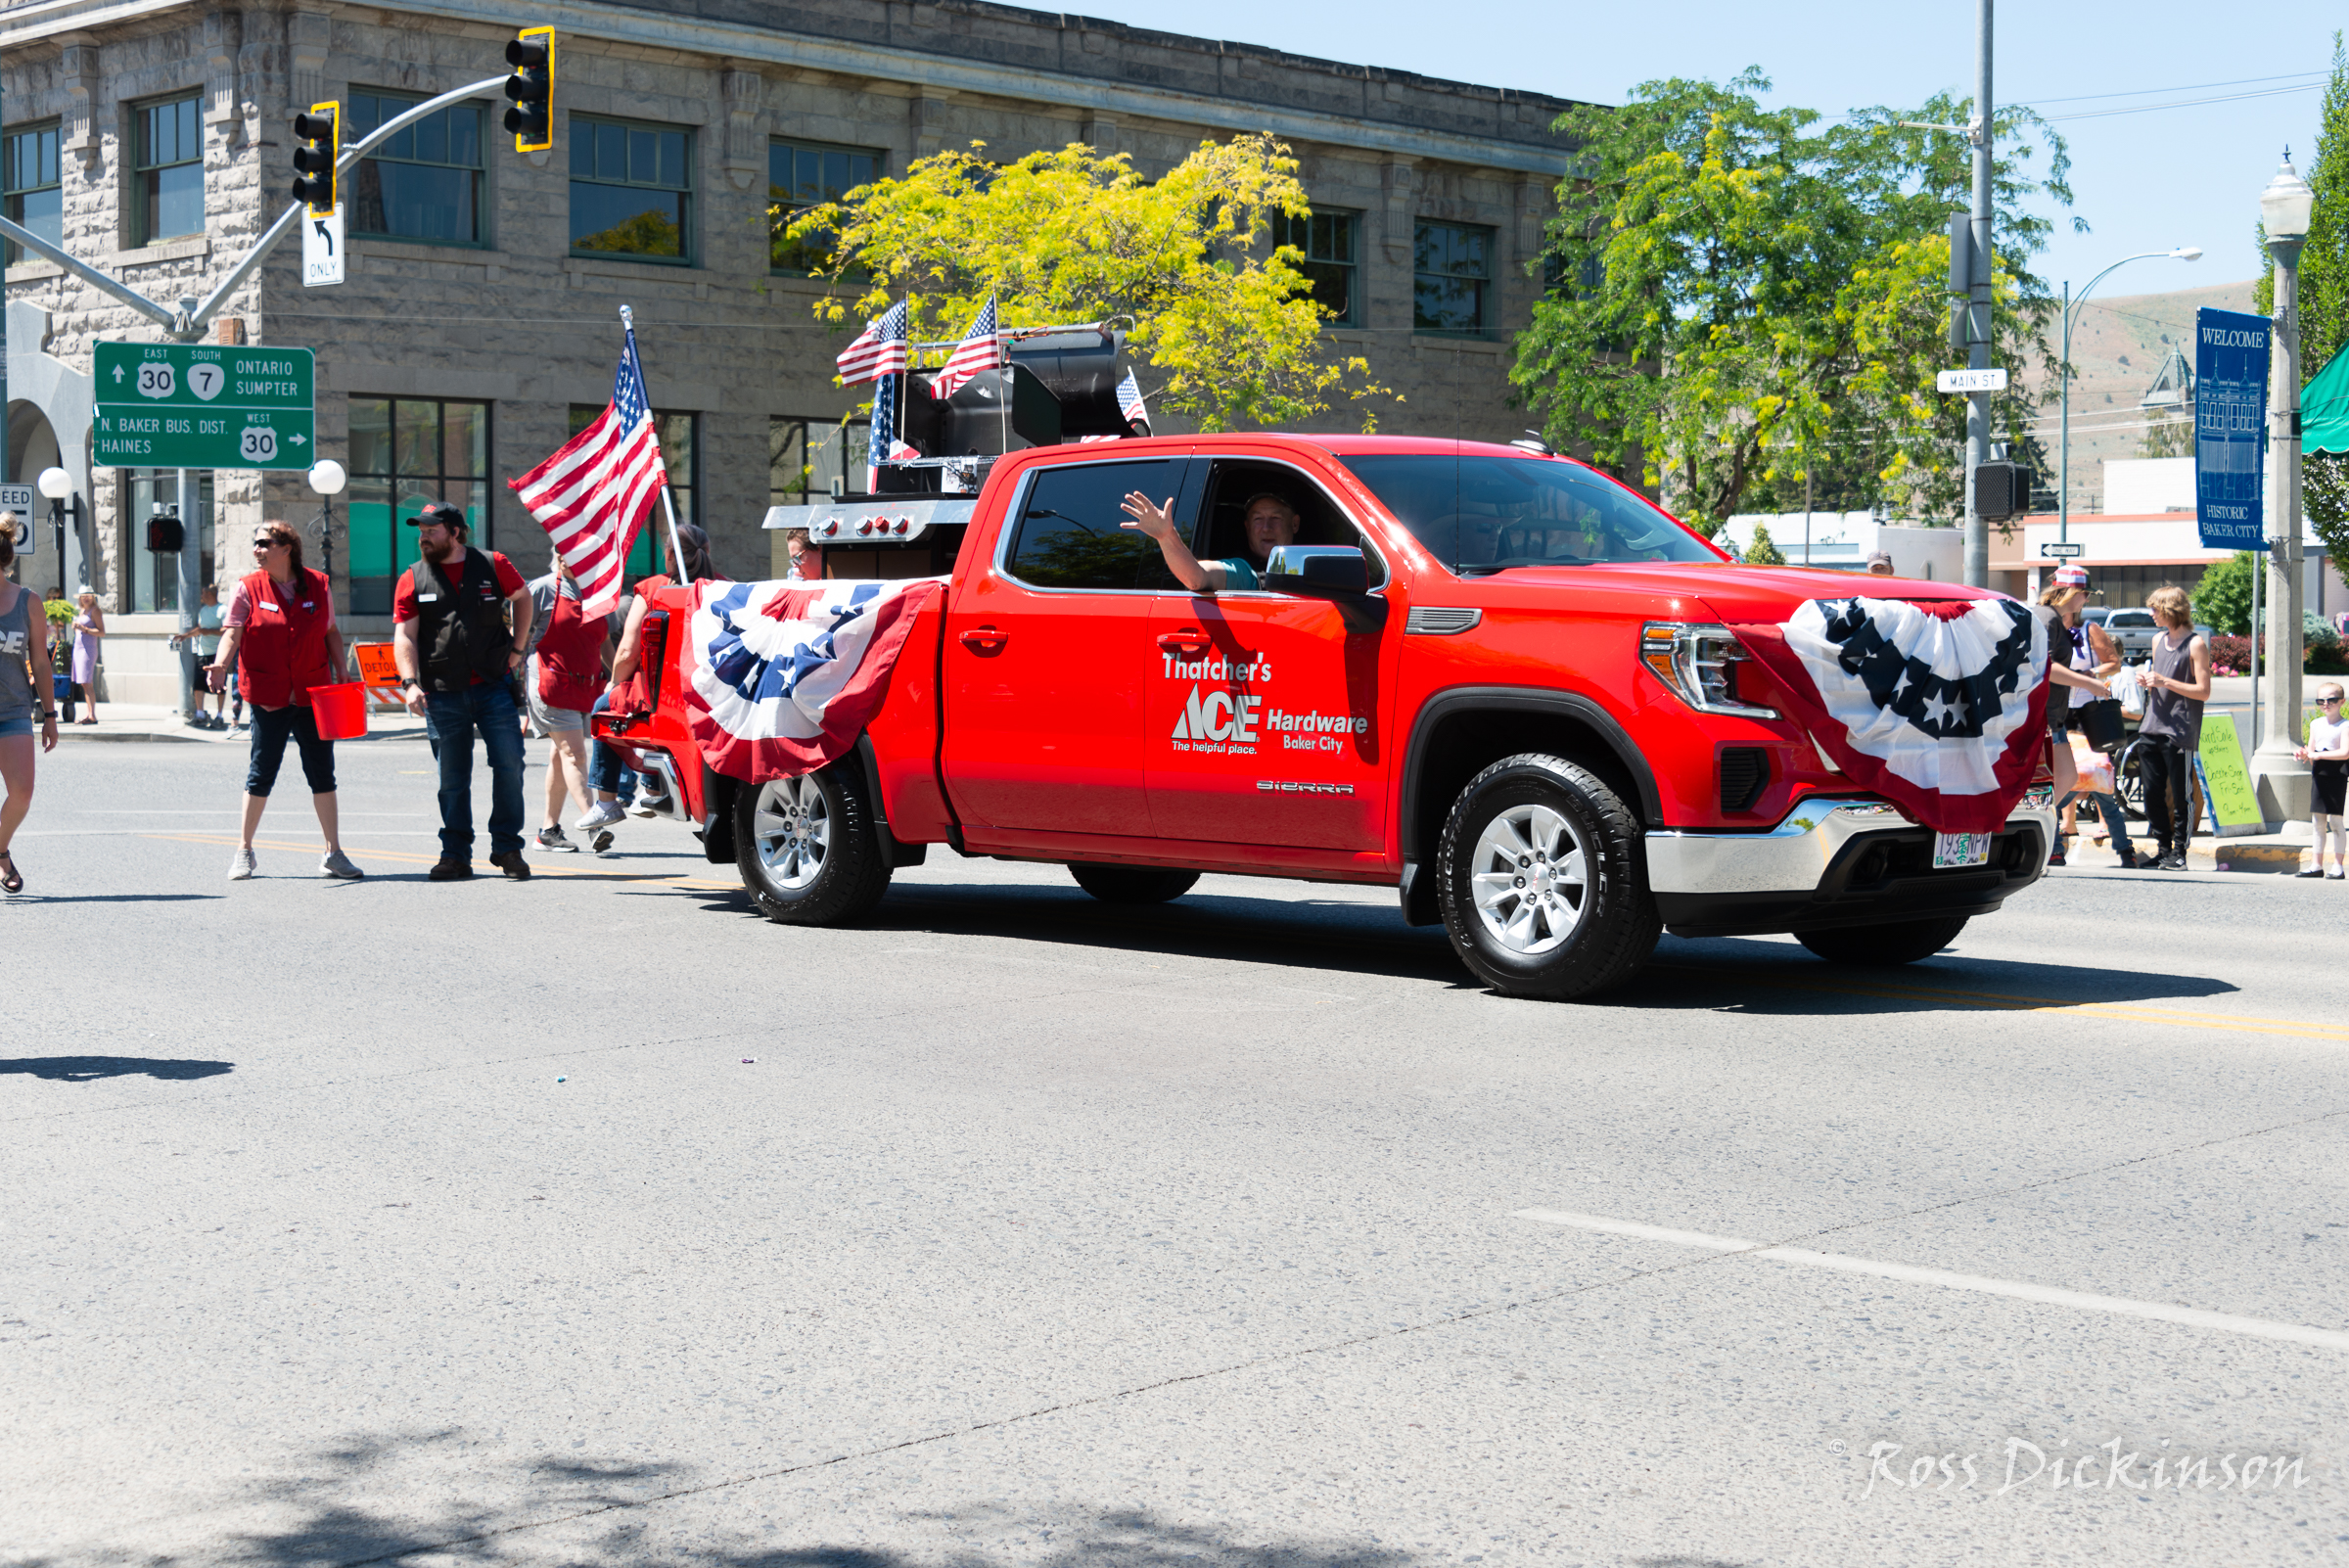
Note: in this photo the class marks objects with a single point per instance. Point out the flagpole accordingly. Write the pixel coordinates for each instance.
(676, 548)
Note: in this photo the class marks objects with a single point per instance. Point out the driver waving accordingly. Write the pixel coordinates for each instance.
(1270, 519)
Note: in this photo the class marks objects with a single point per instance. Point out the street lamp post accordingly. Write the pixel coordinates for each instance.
(327, 479)
(57, 484)
(2280, 780)
(2071, 314)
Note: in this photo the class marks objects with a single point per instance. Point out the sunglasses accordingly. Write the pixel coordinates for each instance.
(2323, 699)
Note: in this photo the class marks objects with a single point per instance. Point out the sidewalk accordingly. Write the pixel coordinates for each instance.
(148, 721)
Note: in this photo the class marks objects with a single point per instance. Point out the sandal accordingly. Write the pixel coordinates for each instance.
(14, 881)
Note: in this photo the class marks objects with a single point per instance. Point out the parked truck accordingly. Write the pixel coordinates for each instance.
(1487, 676)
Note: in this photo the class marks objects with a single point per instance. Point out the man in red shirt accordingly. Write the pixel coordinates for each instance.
(460, 621)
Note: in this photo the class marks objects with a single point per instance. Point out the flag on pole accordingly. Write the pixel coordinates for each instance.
(1129, 401)
(880, 444)
(981, 349)
(593, 495)
(879, 350)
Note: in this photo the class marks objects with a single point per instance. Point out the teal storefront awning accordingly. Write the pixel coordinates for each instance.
(2325, 408)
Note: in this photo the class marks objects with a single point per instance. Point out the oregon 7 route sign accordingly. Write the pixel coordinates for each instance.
(198, 405)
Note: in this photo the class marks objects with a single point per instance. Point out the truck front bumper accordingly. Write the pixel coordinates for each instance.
(1837, 861)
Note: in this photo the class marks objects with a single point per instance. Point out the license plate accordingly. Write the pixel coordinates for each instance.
(1961, 850)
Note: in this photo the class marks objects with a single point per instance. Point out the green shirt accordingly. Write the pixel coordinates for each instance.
(1238, 572)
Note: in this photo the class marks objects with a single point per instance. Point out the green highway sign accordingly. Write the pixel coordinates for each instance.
(201, 405)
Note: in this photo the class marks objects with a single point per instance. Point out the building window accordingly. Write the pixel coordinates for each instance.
(681, 457)
(803, 456)
(804, 174)
(425, 181)
(1451, 285)
(168, 172)
(631, 190)
(1328, 239)
(405, 452)
(34, 197)
(155, 579)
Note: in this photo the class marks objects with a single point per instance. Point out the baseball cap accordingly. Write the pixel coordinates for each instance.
(2072, 576)
(440, 512)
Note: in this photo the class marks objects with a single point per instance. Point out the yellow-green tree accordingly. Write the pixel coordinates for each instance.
(1219, 314)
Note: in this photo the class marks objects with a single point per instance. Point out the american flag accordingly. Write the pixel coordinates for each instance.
(879, 350)
(594, 493)
(981, 349)
(881, 438)
(1129, 401)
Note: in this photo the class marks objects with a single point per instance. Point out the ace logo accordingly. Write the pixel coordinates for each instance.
(1218, 716)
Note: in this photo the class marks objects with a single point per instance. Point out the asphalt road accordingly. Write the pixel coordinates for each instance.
(595, 1221)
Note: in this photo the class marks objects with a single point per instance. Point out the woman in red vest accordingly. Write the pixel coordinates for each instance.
(282, 640)
(565, 676)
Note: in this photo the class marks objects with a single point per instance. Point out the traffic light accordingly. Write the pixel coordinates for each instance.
(532, 86)
(320, 132)
(2003, 491)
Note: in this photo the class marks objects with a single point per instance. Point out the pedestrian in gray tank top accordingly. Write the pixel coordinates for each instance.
(2176, 687)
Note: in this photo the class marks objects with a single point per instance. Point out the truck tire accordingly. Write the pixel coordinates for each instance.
(806, 847)
(1904, 941)
(1527, 928)
(1132, 883)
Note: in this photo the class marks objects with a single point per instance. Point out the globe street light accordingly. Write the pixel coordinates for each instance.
(57, 484)
(2071, 314)
(2280, 781)
(327, 479)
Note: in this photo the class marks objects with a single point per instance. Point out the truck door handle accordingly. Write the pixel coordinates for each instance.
(1189, 640)
(984, 640)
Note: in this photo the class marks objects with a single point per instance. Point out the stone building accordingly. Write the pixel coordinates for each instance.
(478, 325)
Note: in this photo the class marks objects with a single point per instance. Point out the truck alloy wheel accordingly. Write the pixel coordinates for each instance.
(807, 849)
(1540, 882)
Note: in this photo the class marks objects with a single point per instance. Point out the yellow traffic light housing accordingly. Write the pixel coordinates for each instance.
(320, 133)
(532, 86)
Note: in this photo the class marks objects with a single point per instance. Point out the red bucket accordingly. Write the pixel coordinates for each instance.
(341, 712)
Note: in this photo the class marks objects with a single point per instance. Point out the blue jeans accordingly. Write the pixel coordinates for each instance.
(450, 720)
(605, 769)
(272, 727)
(2116, 821)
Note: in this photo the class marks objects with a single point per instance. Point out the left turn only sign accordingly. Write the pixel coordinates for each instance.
(322, 248)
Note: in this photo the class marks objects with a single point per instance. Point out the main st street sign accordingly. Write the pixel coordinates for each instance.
(200, 405)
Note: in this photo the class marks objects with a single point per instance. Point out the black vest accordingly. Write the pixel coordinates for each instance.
(461, 633)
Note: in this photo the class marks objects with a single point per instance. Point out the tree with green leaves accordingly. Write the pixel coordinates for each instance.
(1764, 551)
(1746, 294)
(2324, 298)
(2223, 598)
(1218, 311)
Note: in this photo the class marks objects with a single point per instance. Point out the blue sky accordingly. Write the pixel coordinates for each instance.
(2144, 181)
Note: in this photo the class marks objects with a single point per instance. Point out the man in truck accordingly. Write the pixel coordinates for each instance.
(1272, 521)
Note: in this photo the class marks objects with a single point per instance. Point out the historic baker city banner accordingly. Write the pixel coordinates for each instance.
(2231, 408)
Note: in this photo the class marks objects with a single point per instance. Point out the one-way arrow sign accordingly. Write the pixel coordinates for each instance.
(322, 250)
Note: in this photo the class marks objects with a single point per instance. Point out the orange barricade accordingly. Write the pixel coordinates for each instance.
(379, 673)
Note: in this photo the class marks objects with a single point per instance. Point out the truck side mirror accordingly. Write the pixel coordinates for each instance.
(1338, 573)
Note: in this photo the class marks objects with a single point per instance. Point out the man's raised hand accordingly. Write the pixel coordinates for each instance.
(1157, 521)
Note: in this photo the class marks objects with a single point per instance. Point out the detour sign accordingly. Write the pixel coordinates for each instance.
(375, 665)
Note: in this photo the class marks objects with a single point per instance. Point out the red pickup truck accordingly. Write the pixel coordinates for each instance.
(1489, 676)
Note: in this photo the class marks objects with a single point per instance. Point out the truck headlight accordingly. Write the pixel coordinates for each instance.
(1699, 663)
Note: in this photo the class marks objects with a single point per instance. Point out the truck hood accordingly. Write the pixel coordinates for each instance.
(1770, 594)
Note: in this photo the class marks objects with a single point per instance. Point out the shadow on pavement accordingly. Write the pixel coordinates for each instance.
(30, 896)
(83, 1069)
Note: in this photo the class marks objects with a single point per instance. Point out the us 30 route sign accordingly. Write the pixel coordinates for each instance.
(197, 405)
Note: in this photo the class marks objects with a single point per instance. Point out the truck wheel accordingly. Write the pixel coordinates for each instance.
(1541, 881)
(1904, 941)
(1132, 883)
(807, 849)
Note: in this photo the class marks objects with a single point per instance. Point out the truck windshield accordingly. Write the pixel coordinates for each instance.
(1479, 514)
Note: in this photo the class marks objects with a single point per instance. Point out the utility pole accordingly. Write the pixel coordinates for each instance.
(1977, 315)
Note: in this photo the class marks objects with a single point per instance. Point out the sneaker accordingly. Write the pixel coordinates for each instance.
(450, 870)
(2056, 858)
(511, 862)
(601, 815)
(551, 840)
(242, 867)
(640, 808)
(601, 844)
(338, 865)
(2175, 860)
